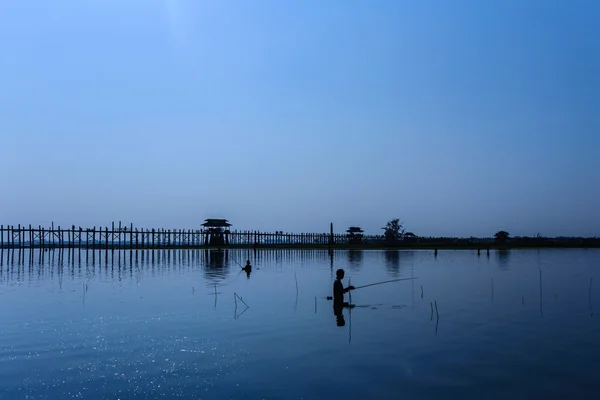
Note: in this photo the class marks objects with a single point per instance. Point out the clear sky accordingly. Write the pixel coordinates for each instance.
(459, 117)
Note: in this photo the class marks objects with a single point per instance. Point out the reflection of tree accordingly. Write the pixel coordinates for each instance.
(503, 256)
(392, 262)
(355, 258)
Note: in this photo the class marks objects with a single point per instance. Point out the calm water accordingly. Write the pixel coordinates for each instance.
(167, 324)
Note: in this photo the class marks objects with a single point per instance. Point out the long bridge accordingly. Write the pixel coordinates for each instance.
(130, 237)
(119, 236)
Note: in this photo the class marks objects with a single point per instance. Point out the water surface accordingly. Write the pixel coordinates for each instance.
(165, 324)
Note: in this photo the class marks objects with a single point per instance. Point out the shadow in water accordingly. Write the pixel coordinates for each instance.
(339, 316)
(216, 266)
(338, 311)
(395, 258)
(355, 259)
(392, 262)
(503, 257)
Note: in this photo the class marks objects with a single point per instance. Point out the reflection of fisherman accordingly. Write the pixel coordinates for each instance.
(339, 316)
(247, 268)
(338, 290)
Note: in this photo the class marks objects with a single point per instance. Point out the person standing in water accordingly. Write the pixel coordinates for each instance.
(248, 268)
(339, 290)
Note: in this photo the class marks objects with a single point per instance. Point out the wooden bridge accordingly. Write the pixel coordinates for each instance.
(129, 237)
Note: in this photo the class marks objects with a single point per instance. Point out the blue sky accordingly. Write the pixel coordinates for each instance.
(460, 118)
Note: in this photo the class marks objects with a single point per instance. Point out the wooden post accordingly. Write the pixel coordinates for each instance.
(94, 238)
(137, 243)
(42, 237)
(2, 236)
(131, 236)
(106, 237)
(52, 233)
(331, 241)
(152, 239)
(80, 230)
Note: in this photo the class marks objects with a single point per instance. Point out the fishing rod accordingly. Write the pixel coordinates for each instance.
(379, 283)
(233, 258)
(376, 283)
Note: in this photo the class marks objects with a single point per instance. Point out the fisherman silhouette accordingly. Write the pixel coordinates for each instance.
(247, 268)
(338, 290)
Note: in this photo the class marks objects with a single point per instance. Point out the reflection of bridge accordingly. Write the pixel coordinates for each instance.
(214, 264)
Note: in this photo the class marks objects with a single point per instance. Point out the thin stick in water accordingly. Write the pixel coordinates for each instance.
(296, 278)
(421, 291)
(242, 300)
(350, 292)
(541, 296)
(590, 297)
(436, 310)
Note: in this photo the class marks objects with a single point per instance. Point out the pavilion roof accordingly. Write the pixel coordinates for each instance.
(353, 229)
(214, 222)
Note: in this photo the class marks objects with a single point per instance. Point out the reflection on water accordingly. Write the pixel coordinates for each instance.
(395, 259)
(503, 256)
(216, 266)
(355, 258)
(392, 262)
(189, 324)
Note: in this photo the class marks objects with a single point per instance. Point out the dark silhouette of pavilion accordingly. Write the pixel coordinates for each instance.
(216, 232)
(355, 235)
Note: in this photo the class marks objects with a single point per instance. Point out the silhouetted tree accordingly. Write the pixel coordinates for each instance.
(501, 236)
(393, 230)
